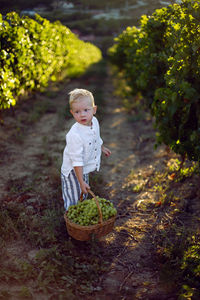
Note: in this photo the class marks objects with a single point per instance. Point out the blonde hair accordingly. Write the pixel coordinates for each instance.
(77, 94)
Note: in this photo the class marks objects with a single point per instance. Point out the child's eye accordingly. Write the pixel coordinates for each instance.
(86, 110)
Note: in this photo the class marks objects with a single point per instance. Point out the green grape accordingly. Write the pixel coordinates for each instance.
(86, 213)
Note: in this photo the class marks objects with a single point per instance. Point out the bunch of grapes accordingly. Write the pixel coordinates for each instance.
(86, 213)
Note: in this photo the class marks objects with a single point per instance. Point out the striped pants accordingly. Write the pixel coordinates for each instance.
(71, 190)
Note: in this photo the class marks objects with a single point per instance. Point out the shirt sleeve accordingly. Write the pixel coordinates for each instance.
(98, 130)
(75, 149)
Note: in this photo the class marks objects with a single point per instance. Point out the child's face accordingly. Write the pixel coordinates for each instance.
(83, 111)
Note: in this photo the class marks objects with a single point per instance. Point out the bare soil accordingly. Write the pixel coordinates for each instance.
(30, 157)
(133, 267)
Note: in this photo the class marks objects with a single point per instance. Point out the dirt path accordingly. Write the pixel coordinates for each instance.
(30, 160)
(133, 270)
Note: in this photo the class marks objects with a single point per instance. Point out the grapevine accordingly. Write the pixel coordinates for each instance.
(161, 60)
(35, 51)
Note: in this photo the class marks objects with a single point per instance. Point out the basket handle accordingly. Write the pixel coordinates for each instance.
(97, 203)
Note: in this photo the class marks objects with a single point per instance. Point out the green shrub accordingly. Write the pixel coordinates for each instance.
(161, 59)
(33, 52)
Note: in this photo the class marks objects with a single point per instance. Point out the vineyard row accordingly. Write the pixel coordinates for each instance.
(161, 61)
(35, 51)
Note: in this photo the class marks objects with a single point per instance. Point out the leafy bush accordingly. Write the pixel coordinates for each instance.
(161, 59)
(36, 51)
(191, 267)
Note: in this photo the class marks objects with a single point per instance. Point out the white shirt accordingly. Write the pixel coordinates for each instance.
(83, 148)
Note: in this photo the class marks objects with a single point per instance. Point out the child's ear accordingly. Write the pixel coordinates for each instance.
(94, 109)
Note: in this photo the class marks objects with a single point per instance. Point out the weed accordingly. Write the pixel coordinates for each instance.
(173, 165)
(186, 172)
(183, 170)
(138, 188)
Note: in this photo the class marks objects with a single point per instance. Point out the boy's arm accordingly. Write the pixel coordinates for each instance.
(79, 174)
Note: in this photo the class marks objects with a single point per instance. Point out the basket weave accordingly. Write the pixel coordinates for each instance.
(85, 233)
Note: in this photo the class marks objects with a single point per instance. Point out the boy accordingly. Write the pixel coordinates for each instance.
(83, 148)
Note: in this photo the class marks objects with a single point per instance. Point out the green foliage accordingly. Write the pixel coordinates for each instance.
(181, 258)
(161, 59)
(191, 264)
(33, 52)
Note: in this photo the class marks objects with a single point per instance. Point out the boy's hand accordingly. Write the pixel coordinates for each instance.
(84, 187)
(79, 174)
(106, 151)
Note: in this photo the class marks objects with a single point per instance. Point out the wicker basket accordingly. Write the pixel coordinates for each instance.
(85, 233)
